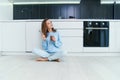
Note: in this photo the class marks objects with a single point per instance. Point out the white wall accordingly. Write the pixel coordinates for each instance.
(6, 10)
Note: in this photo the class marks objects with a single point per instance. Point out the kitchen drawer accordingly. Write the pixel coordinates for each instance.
(71, 33)
(72, 44)
(72, 25)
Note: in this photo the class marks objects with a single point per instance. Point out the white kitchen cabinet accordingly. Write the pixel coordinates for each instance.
(13, 36)
(114, 39)
(0, 37)
(68, 25)
(95, 49)
(72, 35)
(72, 44)
(72, 39)
(33, 36)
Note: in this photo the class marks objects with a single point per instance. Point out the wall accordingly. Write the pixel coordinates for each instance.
(6, 10)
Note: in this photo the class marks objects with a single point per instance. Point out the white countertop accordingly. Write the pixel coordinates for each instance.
(60, 20)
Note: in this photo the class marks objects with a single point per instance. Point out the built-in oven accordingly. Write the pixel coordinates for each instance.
(96, 34)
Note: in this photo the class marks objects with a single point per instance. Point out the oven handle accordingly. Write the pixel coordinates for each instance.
(97, 28)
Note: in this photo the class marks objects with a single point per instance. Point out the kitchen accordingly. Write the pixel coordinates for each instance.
(20, 33)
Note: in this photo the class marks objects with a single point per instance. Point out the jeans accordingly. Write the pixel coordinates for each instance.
(51, 56)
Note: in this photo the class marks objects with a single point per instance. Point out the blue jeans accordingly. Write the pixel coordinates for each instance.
(50, 56)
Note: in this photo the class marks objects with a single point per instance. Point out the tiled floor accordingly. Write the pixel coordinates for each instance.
(24, 67)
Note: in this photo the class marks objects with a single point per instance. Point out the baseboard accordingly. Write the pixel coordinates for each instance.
(68, 54)
(13, 53)
(93, 54)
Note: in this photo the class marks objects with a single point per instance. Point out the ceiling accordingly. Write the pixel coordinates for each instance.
(110, 1)
(45, 1)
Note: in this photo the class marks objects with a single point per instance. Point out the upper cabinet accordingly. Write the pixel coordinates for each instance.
(117, 11)
(92, 9)
(54, 11)
(87, 9)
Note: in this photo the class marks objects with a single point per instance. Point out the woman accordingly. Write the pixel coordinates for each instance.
(51, 43)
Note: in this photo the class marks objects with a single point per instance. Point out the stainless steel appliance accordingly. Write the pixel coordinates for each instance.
(96, 34)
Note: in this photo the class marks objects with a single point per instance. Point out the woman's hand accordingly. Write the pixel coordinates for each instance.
(52, 38)
(43, 37)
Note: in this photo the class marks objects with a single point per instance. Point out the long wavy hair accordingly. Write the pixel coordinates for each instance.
(44, 27)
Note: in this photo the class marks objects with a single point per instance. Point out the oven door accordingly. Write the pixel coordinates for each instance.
(96, 37)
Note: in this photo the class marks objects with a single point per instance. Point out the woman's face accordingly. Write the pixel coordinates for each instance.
(49, 24)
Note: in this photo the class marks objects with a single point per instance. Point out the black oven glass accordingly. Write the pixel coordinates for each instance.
(96, 34)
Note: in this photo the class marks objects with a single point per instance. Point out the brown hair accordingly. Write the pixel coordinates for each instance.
(44, 27)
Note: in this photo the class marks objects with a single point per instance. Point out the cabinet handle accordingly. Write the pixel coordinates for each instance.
(97, 28)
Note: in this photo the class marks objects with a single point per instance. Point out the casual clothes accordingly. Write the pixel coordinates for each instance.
(51, 50)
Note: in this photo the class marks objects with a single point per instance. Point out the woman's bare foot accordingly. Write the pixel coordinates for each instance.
(46, 59)
(42, 59)
(57, 60)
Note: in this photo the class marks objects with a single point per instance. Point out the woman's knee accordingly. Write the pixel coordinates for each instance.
(63, 52)
(35, 51)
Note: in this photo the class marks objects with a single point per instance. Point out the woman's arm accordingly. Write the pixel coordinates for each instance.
(58, 42)
(43, 36)
(44, 42)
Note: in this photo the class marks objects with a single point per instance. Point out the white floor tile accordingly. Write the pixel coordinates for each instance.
(72, 68)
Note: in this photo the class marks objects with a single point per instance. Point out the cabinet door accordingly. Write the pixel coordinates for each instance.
(13, 36)
(33, 37)
(0, 37)
(72, 35)
(68, 25)
(72, 44)
(114, 37)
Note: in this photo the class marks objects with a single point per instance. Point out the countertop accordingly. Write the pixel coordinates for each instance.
(60, 20)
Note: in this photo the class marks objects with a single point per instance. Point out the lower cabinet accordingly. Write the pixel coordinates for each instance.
(72, 44)
(33, 35)
(13, 36)
(72, 40)
(95, 49)
(0, 37)
(114, 37)
(114, 40)
(25, 36)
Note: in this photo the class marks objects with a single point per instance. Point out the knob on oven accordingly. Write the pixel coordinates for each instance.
(89, 23)
(103, 23)
(96, 23)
